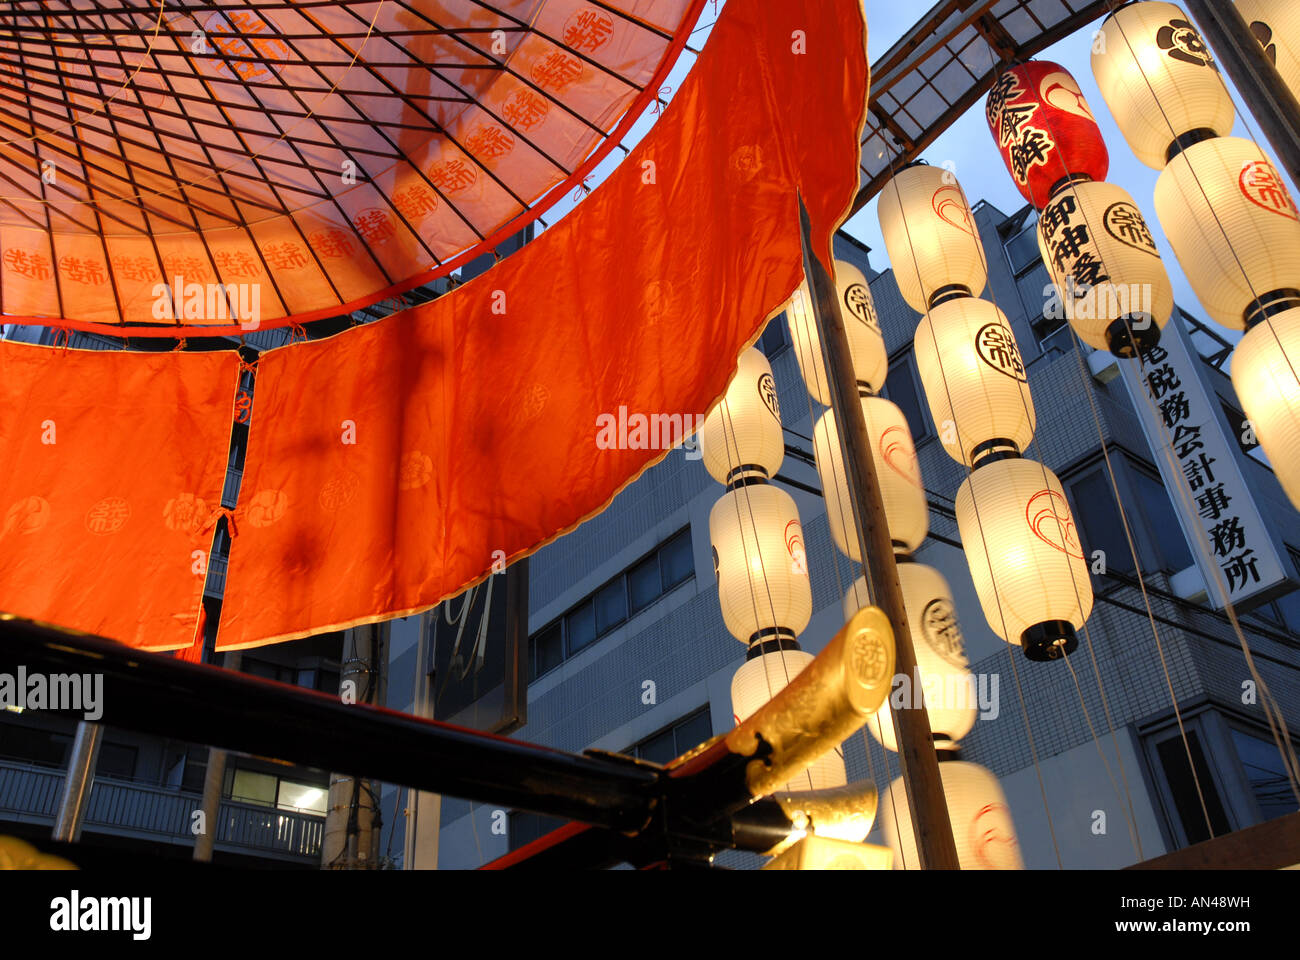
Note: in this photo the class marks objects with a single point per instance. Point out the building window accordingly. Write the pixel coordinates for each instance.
(1182, 788)
(269, 790)
(1023, 253)
(1100, 525)
(903, 387)
(675, 739)
(116, 760)
(613, 604)
(1266, 775)
(326, 681)
(524, 827)
(1157, 534)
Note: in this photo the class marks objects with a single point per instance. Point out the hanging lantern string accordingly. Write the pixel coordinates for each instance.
(801, 338)
(733, 462)
(1273, 714)
(1033, 749)
(803, 333)
(1141, 577)
(1125, 795)
(1196, 177)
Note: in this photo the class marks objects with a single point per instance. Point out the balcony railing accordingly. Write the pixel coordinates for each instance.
(29, 793)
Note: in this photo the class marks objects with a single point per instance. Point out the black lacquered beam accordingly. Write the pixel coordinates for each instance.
(159, 695)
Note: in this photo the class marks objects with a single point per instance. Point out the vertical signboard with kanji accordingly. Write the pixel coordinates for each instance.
(1182, 422)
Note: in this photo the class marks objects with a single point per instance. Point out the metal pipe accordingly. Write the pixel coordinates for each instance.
(916, 754)
(78, 782)
(1257, 80)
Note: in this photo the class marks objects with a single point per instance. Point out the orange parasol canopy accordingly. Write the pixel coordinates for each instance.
(309, 156)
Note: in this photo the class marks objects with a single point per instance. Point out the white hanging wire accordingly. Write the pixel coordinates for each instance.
(734, 461)
(1272, 712)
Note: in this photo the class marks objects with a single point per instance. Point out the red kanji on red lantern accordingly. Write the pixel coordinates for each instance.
(374, 225)
(28, 263)
(237, 263)
(453, 176)
(84, 270)
(556, 70)
(415, 202)
(588, 30)
(489, 142)
(525, 109)
(285, 256)
(332, 244)
(1044, 129)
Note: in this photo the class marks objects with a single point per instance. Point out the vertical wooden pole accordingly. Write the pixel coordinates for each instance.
(1255, 77)
(916, 753)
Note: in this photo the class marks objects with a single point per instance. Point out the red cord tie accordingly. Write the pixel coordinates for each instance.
(217, 514)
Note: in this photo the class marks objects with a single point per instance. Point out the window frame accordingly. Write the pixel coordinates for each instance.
(907, 361)
(567, 650)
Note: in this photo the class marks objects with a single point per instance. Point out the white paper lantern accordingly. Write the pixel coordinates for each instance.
(974, 376)
(951, 696)
(897, 471)
(866, 342)
(759, 559)
(742, 437)
(1155, 72)
(1022, 546)
(1233, 225)
(757, 681)
(982, 827)
(1276, 25)
(1110, 279)
(1264, 371)
(930, 235)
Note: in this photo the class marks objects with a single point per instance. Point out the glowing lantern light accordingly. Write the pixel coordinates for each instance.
(942, 666)
(1155, 72)
(1044, 129)
(930, 235)
(1276, 25)
(866, 342)
(1265, 369)
(1106, 267)
(975, 379)
(816, 852)
(981, 820)
(1234, 227)
(897, 470)
(742, 437)
(758, 556)
(1024, 555)
(769, 668)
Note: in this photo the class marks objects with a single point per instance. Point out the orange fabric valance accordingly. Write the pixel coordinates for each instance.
(114, 464)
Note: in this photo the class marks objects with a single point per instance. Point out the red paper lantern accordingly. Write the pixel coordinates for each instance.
(1044, 128)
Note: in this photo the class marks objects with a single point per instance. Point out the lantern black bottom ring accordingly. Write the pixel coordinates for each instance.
(1128, 336)
(1050, 640)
